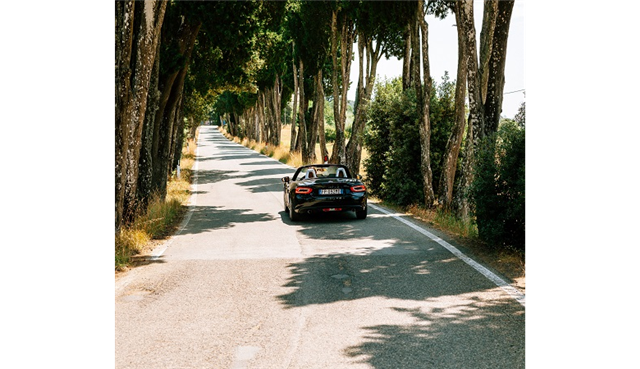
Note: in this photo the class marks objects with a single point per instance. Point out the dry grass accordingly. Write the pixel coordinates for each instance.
(445, 221)
(161, 216)
(509, 262)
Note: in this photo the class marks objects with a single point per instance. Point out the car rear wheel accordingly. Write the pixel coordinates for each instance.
(361, 214)
(292, 214)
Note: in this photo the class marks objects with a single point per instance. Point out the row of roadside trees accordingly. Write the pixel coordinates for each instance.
(394, 174)
(178, 63)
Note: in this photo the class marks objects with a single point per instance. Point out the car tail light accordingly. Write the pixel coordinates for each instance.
(303, 190)
(358, 188)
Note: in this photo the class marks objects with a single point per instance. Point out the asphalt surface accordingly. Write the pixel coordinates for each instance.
(241, 286)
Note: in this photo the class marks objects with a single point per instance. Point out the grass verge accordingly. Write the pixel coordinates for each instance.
(161, 217)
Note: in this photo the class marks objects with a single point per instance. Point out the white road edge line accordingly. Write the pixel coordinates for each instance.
(157, 252)
(509, 289)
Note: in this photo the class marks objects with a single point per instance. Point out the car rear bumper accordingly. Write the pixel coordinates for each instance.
(320, 204)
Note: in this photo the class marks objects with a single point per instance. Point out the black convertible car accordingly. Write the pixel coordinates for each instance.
(321, 188)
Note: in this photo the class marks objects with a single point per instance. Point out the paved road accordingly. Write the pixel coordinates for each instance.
(241, 286)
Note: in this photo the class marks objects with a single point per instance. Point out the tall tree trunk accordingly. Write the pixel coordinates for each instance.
(424, 102)
(171, 122)
(452, 150)
(302, 134)
(486, 44)
(230, 124)
(363, 99)
(315, 120)
(294, 113)
(261, 129)
(150, 17)
(161, 129)
(498, 60)
(302, 131)
(276, 107)
(269, 119)
(261, 133)
(486, 84)
(137, 34)
(178, 136)
(320, 101)
(406, 60)
(334, 82)
(124, 106)
(166, 116)
(347, 35)
(193, 128)
(145, 165)
(476, 111)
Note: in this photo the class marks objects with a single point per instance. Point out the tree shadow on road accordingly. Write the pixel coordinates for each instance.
(470, 334)
(446, 315)
(206, 218)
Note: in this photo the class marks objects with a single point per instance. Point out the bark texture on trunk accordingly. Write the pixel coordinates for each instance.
(366, 82)
(294, 113)
(498, 61)
(425, 121)
(334, 82)
(346, 38)
(320, 101)
(452, 150)
(145, 164)
(406, 60)
(485, 83)
(316, 117)
(124, 41)
(476, 111)
(151, 16)
(137, 39)
(169, 107)
(275, 104)
(302, 132)
(486, 44)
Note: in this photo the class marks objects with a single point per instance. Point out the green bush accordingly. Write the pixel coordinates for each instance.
(377, 139)
(498, 189)
(330, 134)
(393, 140)
(442, 115)
(403, 183)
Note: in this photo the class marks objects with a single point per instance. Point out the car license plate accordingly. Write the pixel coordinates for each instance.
(331, 191)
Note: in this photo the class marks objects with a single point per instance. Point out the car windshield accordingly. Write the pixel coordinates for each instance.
(322, 171)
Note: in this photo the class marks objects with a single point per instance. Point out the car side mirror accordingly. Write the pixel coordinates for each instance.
(286, 179)
(359, 177)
